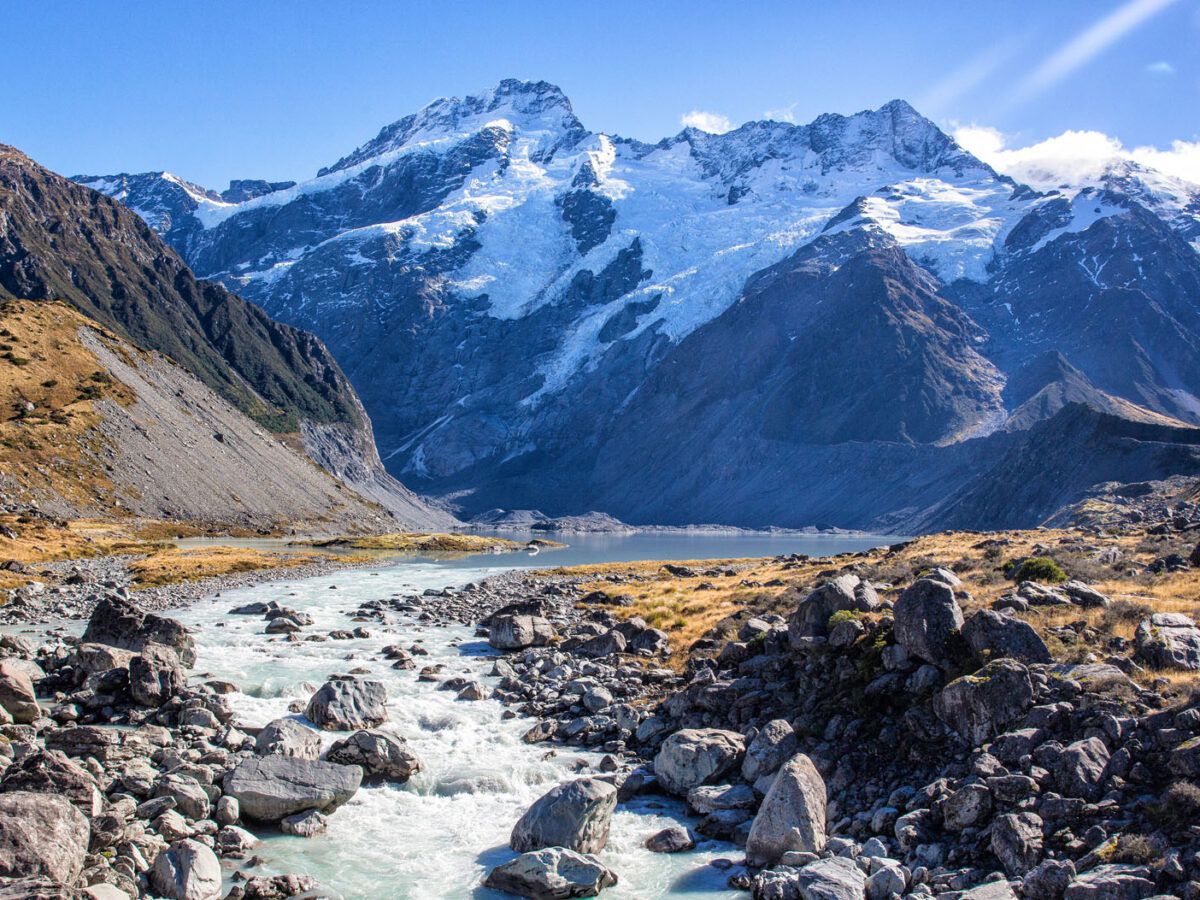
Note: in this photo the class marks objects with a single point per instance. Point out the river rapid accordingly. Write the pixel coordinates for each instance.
(438, 835)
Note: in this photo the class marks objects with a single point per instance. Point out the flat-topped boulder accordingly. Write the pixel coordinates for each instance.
(268, 788)
(551, 874)
(1168, 641)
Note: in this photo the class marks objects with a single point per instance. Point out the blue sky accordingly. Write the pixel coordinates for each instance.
(214, 90)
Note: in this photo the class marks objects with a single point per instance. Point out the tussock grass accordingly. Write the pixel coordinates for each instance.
(173, 565)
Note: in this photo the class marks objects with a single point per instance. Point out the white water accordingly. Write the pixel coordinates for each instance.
(438, 835)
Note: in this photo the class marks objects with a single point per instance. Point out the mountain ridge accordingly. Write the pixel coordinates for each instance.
(502, 286)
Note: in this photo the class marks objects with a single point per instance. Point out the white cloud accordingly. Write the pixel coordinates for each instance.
(783, 114)
(712, 122)
(1162, 67)
(1074, 158)
(1083, 47)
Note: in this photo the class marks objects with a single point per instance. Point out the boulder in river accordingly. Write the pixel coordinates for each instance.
(551, 874)
(696, 756)
(268, 788)
(382, 756)
(346, 703)
(575, 815)
(41, 835)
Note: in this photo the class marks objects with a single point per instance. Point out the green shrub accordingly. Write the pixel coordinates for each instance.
(842, 615)
(1039, 568)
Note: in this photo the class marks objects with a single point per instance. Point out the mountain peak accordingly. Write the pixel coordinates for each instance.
(525, 105)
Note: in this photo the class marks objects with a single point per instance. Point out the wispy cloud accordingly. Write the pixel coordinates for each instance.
(783, 114)
(967, 77)
(712, 122)
(1085, 46)
(1161, 67)
(1074, 158)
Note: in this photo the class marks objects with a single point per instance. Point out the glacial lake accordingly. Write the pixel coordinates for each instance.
(437, 836)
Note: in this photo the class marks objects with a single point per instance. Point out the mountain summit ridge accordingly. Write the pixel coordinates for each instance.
(504, 287)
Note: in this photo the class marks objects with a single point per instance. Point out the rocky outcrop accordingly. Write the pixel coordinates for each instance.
(844, 593)
(119, 622)
(575, 815)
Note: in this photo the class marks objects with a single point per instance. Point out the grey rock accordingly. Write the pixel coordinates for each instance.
(1048, 880)
(516, 632)
(309, 823)
(980, 706)
(774, 744)
(696, 756)
(811, 616)
(1084, 595)
(886, 881)
(836, 878)
(16, 692)
(670, 840)
(966, 807)
(1017, 841)
(189, 795)
(992, 635)
(575, 815)
(1112, 882)
(53, 772)
(1079, 770)
(41, 835)
(709, 798)
(554, 873)
(269, 788)
(1168, 641)
(382, 756)
(792, 815)
(155, 675)
(928, 619)
(119, 622)
(187, 870)
(288, 737)
(345, 703)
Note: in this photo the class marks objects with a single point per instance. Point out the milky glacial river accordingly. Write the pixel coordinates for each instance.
(438, 835)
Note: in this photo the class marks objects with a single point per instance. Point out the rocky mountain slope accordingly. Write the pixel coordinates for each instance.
(839, 323)
(225, 368)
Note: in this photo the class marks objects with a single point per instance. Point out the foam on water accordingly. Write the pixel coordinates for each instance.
(436, 836)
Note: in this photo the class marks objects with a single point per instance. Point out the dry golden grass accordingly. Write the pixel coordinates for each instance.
(49, 382)
(687, 614)
(173, 565)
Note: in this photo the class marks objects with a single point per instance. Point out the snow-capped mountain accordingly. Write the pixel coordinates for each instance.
(782, 324)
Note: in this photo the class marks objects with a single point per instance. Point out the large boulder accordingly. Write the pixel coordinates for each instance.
(288, 737)
(16, 692)
(995, 635)
(119, 622)
(1017, 841)
(517, 632)
(1112, 882)
(345, 703)
(980, 706)
(696, 756)
(771, 748)
(554, 873)
(1080, 768)
(928, 620)
(155, 675)
(792, 816)
(41, 835)
(382, 756)
(1168, 641)
(268, 788)
(811, 616)
(187, 870)
(53, 772)
(575, 815)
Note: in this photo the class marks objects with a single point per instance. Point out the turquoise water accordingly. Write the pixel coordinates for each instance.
(437, 836)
